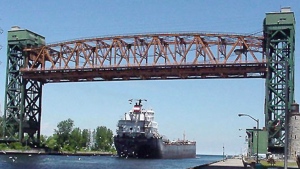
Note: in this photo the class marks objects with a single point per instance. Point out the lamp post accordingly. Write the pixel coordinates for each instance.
(257, 126)
(223, 153)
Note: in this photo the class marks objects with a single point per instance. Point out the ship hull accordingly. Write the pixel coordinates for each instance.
(142, 147)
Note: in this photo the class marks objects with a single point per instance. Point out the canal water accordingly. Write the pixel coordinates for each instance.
(101, 162)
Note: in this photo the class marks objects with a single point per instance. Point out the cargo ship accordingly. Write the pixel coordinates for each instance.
(137, 137)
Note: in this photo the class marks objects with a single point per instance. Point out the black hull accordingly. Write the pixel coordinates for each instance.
(141, 147)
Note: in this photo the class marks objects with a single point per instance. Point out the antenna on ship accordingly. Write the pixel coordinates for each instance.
(138, 101)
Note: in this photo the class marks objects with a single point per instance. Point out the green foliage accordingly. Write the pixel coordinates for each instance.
(51, 142)
(68, 148)
(16, 146)
(3, 146)
(43, 139)
(63, 131)
(1, 127)
(103, 139)
(278, 163)
(68, 138)
(75, 139)
(85, 138)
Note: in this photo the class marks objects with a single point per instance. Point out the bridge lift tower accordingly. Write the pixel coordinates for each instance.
(279, 41)
(22, 106)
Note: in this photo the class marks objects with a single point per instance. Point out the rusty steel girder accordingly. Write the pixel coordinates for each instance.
(149, 56)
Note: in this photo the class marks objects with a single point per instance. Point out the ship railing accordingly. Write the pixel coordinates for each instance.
(180, 142)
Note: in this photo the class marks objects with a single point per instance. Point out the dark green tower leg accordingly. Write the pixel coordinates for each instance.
(32, 110)
(13, 110)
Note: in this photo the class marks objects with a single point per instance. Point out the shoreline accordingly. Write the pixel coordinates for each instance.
(42, 152)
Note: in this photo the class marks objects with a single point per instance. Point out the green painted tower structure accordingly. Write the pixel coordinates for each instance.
(22, 107)
(279, 41)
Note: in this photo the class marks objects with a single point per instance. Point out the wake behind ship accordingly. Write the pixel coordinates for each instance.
(137, 136)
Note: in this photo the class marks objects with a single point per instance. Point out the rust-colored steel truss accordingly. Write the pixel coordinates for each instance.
(148, 56)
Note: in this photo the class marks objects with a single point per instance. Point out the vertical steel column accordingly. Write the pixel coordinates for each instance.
(279, 32)
(14, 94)
(22, 109)
(32, 110)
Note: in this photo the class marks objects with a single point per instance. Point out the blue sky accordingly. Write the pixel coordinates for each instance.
(206, 110)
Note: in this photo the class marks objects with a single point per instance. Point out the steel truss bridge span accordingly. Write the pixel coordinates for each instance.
(147, 57)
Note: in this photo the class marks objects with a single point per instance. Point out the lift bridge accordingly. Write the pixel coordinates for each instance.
(31, 63)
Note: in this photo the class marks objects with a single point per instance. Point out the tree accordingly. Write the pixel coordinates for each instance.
(75, 139)
(43, 139)
(1, 127)
(68, 138)
(85, 138)
(103, 139)
(52, 143)
(63, 131)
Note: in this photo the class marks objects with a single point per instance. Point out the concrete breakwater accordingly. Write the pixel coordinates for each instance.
(222, 164)
(231, 164)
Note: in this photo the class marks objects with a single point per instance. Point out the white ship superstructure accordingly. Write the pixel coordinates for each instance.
(137, 136)
(138, 121)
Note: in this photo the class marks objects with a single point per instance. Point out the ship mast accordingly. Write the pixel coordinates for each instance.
(137, 110)
(138, 105)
